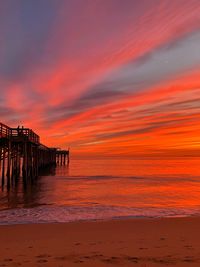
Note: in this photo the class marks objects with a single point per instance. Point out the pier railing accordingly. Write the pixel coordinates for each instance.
(7, 132)
(27, 133)
(4, 131)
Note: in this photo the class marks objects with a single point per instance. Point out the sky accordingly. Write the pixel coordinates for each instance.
(106, 78)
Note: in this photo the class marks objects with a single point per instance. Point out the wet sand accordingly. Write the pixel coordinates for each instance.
(132, 242)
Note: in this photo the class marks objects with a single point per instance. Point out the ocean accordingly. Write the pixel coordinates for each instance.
(93, 189)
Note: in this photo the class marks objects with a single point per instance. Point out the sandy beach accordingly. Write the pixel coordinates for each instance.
(132, 242)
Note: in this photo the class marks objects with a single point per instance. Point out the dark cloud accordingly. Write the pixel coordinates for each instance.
(193, 103)
(151, 126)
(82, 104)
(125, 133)
(140, 74)
(159, 65)
(26, 30)
(5, 111)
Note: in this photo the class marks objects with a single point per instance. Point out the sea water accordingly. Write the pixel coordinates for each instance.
(102, 189)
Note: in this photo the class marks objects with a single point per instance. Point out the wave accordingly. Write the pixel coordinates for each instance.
(62, 214)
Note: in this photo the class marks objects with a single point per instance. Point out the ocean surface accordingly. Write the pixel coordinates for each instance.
(106, 189)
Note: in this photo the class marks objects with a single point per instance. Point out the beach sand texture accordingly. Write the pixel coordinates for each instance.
(131, 242)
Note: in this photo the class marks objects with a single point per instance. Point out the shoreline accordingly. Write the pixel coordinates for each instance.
(119, 218)
(65, 214)
(122, 218)
(127, 242)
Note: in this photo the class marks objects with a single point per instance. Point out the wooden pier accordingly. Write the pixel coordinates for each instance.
(62, 157)
(22, 154)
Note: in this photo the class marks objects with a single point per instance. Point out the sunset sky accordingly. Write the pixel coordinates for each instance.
(105, 77)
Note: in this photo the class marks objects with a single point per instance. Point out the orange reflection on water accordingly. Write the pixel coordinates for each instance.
(130, 186)
(144, 182)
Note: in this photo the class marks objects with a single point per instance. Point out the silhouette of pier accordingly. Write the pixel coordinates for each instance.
(22, 154)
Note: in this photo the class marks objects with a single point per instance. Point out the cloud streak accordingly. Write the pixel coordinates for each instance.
(104, 77)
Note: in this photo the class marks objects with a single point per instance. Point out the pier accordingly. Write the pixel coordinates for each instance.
(22, 155)
(62, 157)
